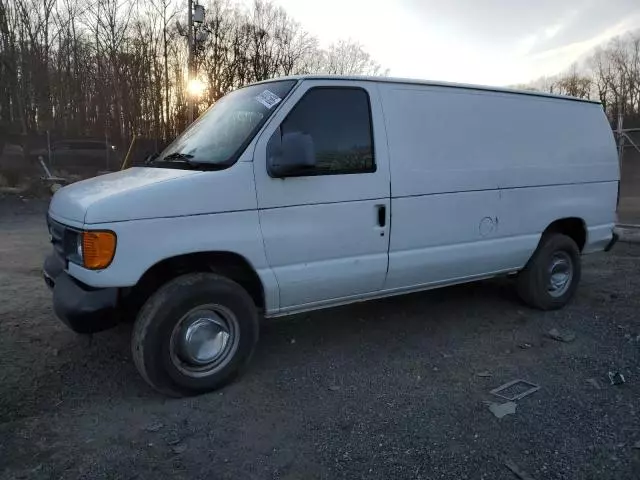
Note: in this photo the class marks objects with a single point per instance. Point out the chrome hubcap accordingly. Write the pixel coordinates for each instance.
(560, 274)
(204, 340)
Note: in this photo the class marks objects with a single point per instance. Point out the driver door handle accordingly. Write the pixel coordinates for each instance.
(382, 215)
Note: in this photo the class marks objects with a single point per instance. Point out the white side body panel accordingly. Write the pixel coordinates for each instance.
(452, 139)
(477, 176)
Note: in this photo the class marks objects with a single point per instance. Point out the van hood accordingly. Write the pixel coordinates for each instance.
(73, 201)
(145, 192)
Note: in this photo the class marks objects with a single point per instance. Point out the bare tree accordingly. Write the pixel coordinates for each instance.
(615, 69)
(348, 58)
(118, 67)
(611, 74)
(574, 84)
(167, 12)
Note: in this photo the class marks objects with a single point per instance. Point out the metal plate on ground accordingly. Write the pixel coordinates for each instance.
(515, 390)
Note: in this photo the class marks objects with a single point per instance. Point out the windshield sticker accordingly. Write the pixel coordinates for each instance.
(268, 99)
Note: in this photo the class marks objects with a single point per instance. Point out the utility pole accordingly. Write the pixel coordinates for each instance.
(195, 34)
(620, 134)
(191, 43)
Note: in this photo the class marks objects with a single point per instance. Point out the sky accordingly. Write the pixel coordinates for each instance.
(491, 42)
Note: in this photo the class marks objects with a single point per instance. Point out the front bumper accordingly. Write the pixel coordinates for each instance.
(82, 308)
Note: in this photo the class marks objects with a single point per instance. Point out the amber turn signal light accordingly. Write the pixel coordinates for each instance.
(98, 249)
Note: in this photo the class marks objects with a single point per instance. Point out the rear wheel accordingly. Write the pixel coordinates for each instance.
(195, 334)
(551, 276)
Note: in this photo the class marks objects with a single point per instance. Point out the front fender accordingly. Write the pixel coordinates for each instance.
(144, 243)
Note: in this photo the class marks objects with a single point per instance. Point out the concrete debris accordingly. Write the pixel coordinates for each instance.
(566, 336)
(500, 410)
(179, 448)
(616, 378)
(594, 382)
(154, 427)
(521, 474)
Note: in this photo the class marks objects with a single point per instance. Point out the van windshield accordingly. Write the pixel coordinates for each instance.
(219, 136)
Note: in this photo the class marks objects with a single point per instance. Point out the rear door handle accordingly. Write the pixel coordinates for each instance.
(382, 215)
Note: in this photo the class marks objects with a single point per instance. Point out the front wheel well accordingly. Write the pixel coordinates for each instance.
(572, 227)
(230, 265)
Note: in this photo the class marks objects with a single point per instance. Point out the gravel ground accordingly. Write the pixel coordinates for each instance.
(388, 389)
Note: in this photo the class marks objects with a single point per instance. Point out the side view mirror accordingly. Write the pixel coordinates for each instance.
(290, 154)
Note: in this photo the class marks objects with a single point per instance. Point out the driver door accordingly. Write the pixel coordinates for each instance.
(326, 229)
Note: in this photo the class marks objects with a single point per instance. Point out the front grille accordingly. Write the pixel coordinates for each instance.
(63, 239)
(58, 233)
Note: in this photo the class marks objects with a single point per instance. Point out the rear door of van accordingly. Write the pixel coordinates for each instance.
(326, 230)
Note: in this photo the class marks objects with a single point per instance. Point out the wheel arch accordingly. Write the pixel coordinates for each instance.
(228, 264)
(573, 227)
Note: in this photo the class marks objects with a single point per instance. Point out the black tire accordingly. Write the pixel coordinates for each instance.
(533, 281)
(154, 350)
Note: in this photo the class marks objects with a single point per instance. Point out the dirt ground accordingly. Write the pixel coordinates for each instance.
(386, 390)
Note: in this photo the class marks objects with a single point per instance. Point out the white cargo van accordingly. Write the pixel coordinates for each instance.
(309, 192)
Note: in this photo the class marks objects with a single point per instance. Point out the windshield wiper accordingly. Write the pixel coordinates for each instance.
(177, 156)
(185, 159)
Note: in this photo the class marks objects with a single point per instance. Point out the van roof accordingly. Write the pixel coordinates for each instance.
(410, 81)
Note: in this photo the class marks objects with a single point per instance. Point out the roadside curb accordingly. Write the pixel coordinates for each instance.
(628, 233)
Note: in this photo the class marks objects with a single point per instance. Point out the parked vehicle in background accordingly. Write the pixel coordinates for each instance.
(12, 164)
(310, 192)
(83, 155)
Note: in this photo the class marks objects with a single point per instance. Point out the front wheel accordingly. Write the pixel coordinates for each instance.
(195, 334)
(552, 275)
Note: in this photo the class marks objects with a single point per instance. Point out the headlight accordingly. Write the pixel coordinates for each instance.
(72, 245)
(78, 249)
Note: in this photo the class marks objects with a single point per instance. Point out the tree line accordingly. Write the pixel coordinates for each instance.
(611, 75)
(115, 68)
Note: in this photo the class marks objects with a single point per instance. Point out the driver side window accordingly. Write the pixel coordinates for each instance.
(338, 119)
